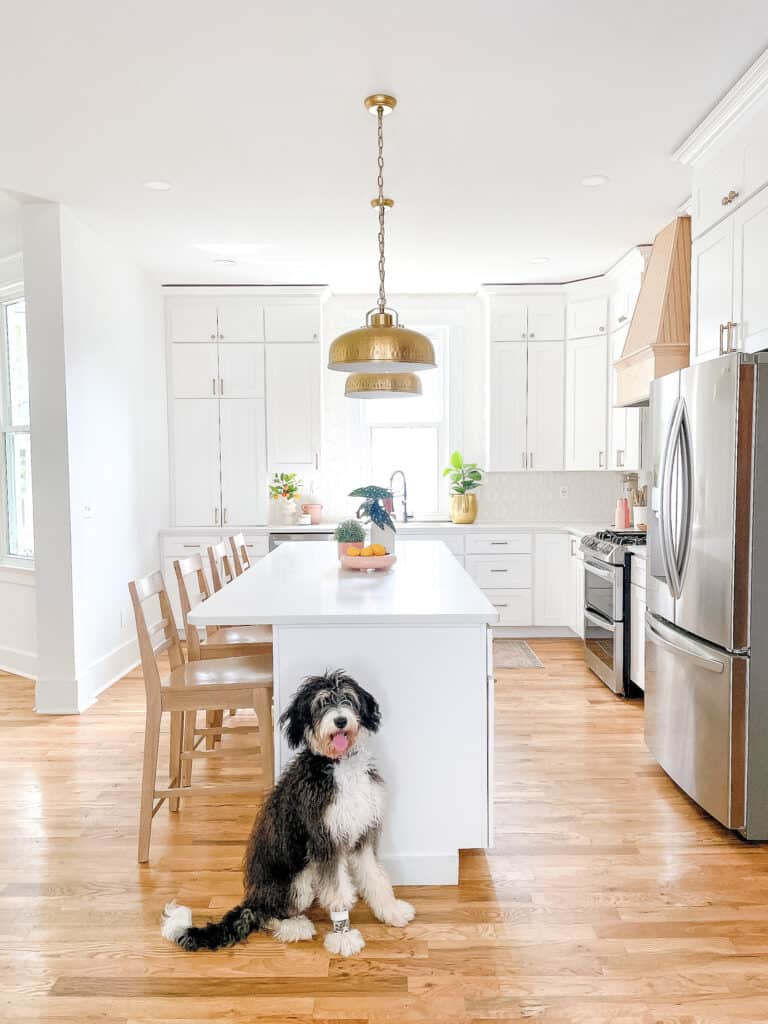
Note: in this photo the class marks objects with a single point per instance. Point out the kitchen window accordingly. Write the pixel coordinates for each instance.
(412, 434)
(16, 533)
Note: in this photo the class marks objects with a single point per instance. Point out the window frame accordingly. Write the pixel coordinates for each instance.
(8, 295)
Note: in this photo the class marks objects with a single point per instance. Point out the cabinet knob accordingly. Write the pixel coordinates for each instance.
(727, 200)
(601, 328)
(622, 318)
(531, 335)
(213, 337)
(601, 460)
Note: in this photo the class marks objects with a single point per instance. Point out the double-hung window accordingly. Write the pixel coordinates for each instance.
(16, 534)
(411, 434)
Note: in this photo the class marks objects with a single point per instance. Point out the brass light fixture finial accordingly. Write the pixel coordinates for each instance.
(382, 346)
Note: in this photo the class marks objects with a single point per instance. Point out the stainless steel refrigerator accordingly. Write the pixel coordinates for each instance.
(706, 697)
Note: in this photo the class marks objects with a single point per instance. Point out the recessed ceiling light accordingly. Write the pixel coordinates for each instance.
(595, 180)
(158, 186)
(222, 260)
(540, 259)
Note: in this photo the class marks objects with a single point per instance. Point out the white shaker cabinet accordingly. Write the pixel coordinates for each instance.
(508, 444)
(195, 370)
(545, 407)
(292, 321)
(527, 318)
(750, 293)
(586, 413)
(240, 320)
(197, 481)
(575, 586)
(241, 371)
(625, 443)
(550, 571)
(508, 319)
(293, 407)
(192, 320)
(711, 291)
(586, 317)
(243, 461)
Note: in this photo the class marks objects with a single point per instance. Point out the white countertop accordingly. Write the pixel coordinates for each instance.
(422, 526)
(304, 583)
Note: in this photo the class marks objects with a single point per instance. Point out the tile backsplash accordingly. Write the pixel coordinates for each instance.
(536, 497)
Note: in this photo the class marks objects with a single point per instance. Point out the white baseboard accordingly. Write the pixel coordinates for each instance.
(532, 632)
(56, 697)
(422, 869)
(19, 663)
(74, 696)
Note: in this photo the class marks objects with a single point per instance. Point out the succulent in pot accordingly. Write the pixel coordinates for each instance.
(465, 478)
(349, 534)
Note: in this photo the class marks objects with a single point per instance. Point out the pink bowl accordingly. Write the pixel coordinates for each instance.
(368, 562)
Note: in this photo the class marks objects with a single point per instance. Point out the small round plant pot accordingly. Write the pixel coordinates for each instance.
(345, 545)
(287, 509)
(313, 509)
(463, 508)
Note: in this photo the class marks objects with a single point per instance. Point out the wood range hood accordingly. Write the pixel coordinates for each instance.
(658, 340)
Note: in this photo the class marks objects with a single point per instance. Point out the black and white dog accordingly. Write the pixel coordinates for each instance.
(316, 834)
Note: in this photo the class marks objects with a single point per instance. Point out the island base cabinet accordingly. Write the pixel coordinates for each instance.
(433, 749)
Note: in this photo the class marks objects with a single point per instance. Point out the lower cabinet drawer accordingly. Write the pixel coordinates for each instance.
(515, 607)
(499, 543)
(492, 572)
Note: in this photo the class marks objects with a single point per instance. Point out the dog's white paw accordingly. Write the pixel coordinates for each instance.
(176, 920)
(344, 943)
(294, 929)
(398, 914)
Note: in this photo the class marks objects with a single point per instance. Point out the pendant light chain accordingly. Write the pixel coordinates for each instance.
(380, 180)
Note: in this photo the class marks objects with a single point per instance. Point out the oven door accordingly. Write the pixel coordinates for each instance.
(603, 589)
(604, 649)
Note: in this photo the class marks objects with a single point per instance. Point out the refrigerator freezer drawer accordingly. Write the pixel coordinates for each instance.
(695, 718)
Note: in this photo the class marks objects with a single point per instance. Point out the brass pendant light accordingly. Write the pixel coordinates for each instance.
(382, 355)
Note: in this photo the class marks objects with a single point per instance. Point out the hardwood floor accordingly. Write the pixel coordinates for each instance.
(608, 897)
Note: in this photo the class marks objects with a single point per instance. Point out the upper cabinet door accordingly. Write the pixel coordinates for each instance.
(711, 290)
(509, 319)
(293, 407)
(717, 188)
(195, 370)
(292, 321)
(197, 492)
(240, 319)
(587, 317)
(546, 401)
(751, 268)
(586, 412)
(507, 443)
(546, 318)
(241, 371)
(243, 462)
(191, 320)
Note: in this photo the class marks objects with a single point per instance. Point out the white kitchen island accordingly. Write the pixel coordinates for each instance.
(417, 637)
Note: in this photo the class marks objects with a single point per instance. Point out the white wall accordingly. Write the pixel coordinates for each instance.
(99, 508)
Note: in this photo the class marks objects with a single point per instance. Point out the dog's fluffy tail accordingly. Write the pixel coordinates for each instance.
(236, 925)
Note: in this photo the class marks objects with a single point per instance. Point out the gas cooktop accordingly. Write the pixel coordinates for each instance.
(609, 545)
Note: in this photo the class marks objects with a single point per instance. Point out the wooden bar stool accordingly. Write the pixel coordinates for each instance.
(222, 569)
(239, 553)
(210, 685)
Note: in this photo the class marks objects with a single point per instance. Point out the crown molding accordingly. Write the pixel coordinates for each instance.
(750, 88)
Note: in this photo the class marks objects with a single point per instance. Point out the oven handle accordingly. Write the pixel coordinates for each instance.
(598, 620)
(604, 574)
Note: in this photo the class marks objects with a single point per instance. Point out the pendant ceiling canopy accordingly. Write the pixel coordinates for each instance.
(382, 347)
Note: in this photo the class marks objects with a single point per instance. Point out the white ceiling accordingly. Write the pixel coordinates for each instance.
(254, 112)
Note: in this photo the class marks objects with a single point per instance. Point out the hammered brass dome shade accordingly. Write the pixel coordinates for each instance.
(381, 347)
(382, 385)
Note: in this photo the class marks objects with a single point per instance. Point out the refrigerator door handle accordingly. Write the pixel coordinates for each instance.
(688, 648)
(686, 461)
(668, 554)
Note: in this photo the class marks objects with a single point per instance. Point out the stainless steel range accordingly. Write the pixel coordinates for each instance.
(607, 629)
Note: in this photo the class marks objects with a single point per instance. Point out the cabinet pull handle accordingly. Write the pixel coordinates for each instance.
(622, 318)
(729, 347)
(225, 517)
(216, 516)
(213, 384)
(601, 460)
(499, 570)
(523, 460)
(317, 460)
(720, 345)
(573, 547)
(499, 542)
(221, 385)
(530, 460)
(620, 458)
(501, 604)
(727, 200)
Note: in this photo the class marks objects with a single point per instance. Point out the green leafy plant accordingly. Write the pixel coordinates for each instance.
(465, 476)
(372, 509)
(285, 485)
(349, 532)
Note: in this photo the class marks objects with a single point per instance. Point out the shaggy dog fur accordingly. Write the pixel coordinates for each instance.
(317, 832)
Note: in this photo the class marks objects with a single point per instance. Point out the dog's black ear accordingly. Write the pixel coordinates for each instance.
(296, 716)
(370, 715)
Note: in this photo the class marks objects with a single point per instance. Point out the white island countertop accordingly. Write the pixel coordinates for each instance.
(304, 583)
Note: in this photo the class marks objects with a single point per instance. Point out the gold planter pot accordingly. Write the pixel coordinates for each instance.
(463, 508)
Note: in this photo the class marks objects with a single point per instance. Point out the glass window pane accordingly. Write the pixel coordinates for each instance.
(428, 407)
(415, 451)
(18, 374)
(18, 475)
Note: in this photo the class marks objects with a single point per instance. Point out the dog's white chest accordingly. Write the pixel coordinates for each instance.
(358, 804)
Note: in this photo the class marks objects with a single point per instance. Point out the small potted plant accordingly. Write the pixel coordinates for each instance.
(349, 534)
(372, 510)
(465, 478)
(284, 489)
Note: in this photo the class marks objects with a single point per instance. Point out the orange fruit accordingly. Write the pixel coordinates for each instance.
(378, 549)
(367, 552)
(354, 552)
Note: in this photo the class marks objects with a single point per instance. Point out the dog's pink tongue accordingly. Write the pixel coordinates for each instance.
(340, 742)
